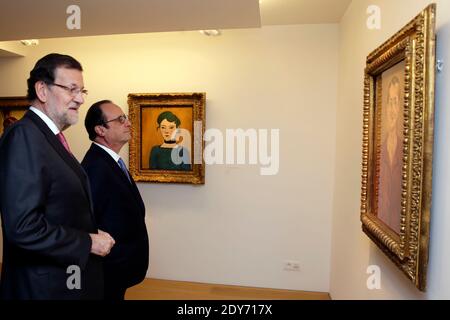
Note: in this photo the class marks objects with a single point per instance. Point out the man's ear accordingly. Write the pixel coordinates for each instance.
(41, 91)
(100, 130)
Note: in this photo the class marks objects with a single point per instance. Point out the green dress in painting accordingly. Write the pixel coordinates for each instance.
(161, 159)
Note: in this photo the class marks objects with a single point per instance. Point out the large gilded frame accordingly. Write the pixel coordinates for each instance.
(415, 44)
(195, 102)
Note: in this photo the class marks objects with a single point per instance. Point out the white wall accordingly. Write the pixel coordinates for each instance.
(239, 227)
(352, 251)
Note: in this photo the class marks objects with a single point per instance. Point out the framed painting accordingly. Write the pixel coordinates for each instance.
(398, 145)
(167, 137)
(11, 110)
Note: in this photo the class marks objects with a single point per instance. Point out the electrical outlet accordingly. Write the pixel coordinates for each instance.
(292, 265)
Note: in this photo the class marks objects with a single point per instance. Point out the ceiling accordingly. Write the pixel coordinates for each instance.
(28, 19)
(281, 12)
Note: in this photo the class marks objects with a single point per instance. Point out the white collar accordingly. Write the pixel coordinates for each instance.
(114, 155)
(49, 122)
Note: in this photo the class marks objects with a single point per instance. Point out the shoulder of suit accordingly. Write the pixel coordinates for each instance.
(25, 138)
(95, 154)
(91, 158)
(24, 126)
(96, 161)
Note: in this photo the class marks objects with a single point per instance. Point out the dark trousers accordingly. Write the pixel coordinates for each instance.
(114, 292)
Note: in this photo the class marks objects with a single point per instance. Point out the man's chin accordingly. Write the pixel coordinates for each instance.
(72, 119)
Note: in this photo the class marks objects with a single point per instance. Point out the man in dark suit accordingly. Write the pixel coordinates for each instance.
(51, 245)
(118, 206)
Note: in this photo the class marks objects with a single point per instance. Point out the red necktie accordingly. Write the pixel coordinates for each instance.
(64, 141)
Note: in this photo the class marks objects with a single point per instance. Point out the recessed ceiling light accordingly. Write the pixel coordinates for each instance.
(32, 42)
(211, 33)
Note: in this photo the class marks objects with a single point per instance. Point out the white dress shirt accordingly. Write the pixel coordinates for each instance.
(49, 122)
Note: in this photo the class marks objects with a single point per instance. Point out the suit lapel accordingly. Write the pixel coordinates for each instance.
(118, 172)
(59, 148)
(136, 192)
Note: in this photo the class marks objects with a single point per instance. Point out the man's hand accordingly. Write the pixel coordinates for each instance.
(101, 243)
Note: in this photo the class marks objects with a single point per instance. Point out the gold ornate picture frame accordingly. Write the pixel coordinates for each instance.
(167, 137)
(398, 145)
(11, 110)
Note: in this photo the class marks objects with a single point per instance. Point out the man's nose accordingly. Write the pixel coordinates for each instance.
(79, 98)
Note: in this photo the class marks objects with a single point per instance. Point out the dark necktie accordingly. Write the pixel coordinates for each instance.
(124, 168)
(63, 140)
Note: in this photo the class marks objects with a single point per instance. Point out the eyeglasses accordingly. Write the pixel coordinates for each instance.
(72, 91)
(121, 119)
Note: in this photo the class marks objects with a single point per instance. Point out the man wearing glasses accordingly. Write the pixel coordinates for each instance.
(118, 206)
(52, 248)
